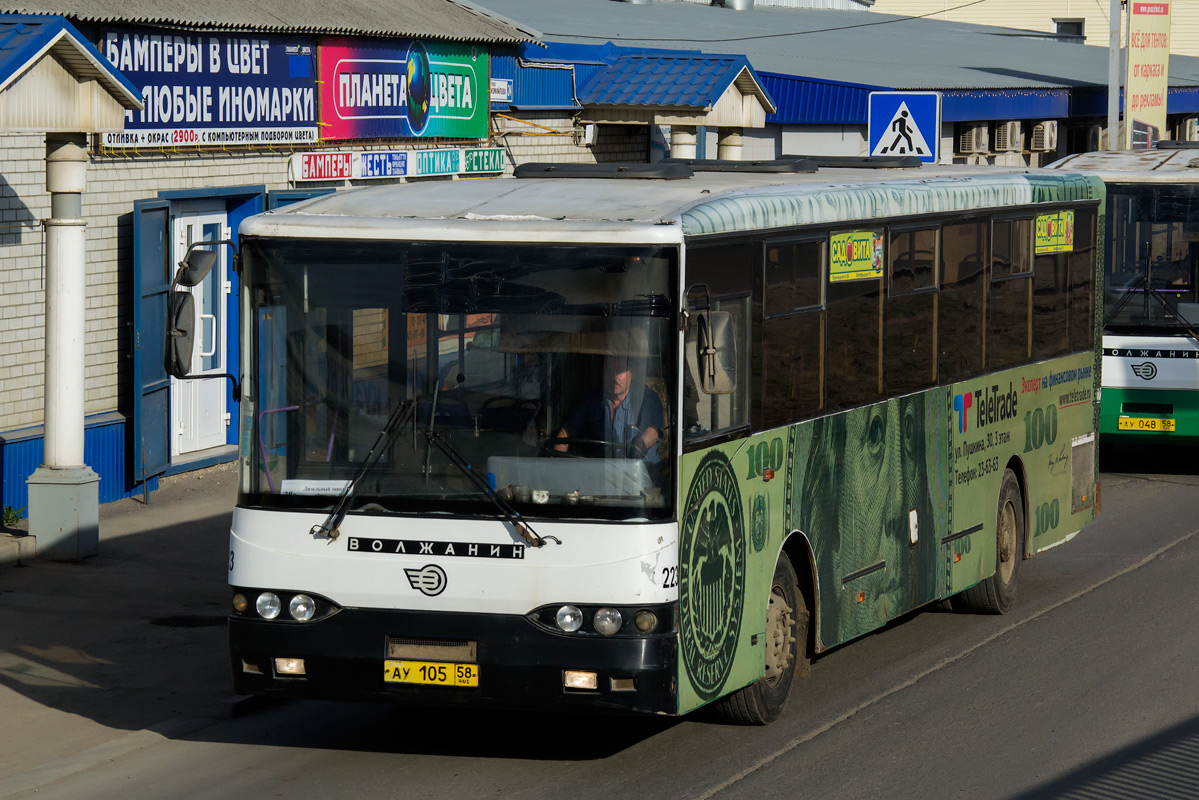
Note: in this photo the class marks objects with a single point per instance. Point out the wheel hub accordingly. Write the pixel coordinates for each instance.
(780, 639)
(1007, 540)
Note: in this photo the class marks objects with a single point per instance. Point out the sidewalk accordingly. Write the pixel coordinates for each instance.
(97, 655)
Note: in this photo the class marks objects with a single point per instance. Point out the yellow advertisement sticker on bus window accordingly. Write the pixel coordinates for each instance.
(1055, 232)
(855, 256)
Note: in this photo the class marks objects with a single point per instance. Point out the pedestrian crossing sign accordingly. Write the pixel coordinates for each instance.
(905, 124)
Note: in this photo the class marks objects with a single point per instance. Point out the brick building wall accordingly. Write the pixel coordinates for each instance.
(555, 137)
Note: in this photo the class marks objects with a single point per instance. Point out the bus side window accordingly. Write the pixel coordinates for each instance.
(852, 343)
(1051, 305)
(960, 310)
(910, 311)
(1082, 282)
(792, 331)
(1008, 320)
(722, 274)
(705, 413)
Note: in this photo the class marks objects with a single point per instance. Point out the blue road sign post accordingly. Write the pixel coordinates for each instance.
(905, 124)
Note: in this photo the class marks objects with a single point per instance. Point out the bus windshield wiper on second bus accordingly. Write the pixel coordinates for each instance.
(401, 415)
(1139, 282)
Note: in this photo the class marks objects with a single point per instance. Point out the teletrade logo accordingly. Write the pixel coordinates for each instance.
(961, 404)
(991, 405)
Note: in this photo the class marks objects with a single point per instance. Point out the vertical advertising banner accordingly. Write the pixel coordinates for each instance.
(1148, 73)
(413, 89)
(213, 89)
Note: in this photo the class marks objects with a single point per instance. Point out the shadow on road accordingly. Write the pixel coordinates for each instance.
(1164, 765)
(459, 733)
(130, 638)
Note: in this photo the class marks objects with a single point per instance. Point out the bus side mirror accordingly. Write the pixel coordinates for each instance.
(196, 265)
(180, 318)
(716, 349)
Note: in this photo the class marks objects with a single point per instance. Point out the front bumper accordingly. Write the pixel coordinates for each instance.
(520, 664)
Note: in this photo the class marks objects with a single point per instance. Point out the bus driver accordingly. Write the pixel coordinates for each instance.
(627, 413)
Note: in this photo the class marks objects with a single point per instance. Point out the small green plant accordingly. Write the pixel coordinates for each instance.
(12, 516)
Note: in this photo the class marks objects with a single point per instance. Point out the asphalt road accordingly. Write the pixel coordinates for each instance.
(1086, 690)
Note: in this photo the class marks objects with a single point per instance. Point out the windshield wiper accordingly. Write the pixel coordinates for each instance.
(1156, 294)
(510, 514)
(401, 415)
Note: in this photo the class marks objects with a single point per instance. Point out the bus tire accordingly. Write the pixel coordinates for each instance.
(997, 594)
(786, 638)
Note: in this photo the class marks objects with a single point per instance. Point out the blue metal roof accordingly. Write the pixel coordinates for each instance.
(810, 101)
(611, 74)
(563, 76)
(666, 80)
(24, 38)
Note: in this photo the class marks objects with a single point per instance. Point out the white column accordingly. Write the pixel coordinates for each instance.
(66, 288)
(728, 144)
(682, 141)
(63, 492)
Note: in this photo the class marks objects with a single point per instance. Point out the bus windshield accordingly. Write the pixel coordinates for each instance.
(1153, 263)
(548, 370)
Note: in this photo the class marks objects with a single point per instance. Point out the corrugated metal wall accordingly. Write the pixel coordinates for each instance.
(802, 100)
(103, 451)
(534, 87)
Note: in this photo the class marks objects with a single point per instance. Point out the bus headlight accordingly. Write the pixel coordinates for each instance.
(271, 603)
(569, 618)
(301, 608)
(645, 621)
(608, 621)
(268, 605)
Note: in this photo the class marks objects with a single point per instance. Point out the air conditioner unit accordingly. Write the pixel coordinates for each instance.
(1190, 130)
(1044, 137)
(972, 139)
(1007, 137)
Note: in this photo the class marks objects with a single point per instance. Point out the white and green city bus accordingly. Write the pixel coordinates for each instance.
(1151, 290)
(640, 438)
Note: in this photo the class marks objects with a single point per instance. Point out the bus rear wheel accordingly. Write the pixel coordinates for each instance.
(786, 638)
(997, 594)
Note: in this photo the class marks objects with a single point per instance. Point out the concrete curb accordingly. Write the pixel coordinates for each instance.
(17, 549)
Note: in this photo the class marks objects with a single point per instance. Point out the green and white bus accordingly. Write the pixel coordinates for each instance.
(1151, 290)
(641, 438)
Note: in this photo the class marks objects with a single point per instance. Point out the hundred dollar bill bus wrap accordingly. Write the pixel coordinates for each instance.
(585, 442)
(1151, 289)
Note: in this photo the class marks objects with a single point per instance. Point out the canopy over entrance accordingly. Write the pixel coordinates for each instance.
(692, 90)
(54, 80)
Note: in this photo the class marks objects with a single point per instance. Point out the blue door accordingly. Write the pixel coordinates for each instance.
(152, 275)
